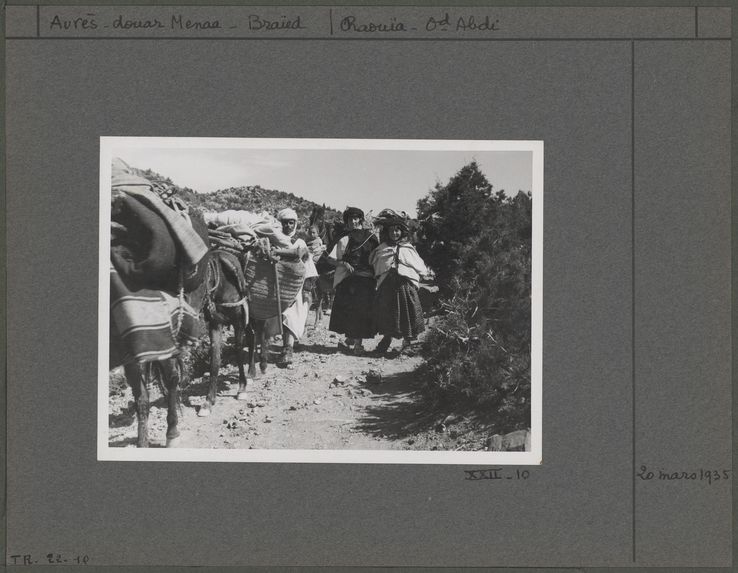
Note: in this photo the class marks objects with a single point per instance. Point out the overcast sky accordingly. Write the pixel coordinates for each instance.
(369, 179)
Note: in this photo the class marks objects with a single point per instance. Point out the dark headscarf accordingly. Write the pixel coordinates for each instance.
(352, 212)
(398, 222)
(395, 221)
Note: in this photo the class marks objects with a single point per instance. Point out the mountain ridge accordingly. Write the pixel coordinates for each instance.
(254, 198)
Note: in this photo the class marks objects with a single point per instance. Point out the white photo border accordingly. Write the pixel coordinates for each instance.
(109, 146)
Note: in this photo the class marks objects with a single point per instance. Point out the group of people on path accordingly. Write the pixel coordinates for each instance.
(376, 284)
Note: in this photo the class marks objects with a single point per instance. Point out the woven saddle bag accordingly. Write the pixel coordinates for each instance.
(261, 285)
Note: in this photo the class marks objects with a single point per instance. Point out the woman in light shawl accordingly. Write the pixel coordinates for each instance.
(354, 283)
(398, 268)
(295, 316)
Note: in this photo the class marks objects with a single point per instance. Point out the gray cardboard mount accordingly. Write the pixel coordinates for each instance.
(634, 108)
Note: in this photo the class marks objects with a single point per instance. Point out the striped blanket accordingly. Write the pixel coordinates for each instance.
(149, 325)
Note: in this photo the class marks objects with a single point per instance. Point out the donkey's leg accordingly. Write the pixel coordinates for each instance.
(251, 335)
(137, 380)
(260, 334)
(173, 372)
(238, 331)
(216, 343)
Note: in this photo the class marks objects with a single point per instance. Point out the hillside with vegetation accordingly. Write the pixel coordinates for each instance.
(252, 198)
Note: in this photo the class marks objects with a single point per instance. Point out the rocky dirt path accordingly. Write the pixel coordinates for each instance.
(324, 401)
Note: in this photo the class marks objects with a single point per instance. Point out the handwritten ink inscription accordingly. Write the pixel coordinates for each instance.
(48, 559)
(441, 23)
(704, 475)
(91, 21)
(461, 24)
(134, 24)
(498, 473)
(353, 24)
(86, 22)
(176, 22)
(257, 22)
(467, 23)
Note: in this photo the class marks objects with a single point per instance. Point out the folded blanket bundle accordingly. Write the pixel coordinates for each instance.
(153, 245)
(246, 226)
(156, 253)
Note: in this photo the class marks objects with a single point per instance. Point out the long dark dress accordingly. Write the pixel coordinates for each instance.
(352, 312)
(397, 307)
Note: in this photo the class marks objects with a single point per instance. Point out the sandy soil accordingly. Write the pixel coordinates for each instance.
(325, 400)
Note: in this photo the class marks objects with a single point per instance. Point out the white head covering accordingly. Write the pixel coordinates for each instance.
(287, 215)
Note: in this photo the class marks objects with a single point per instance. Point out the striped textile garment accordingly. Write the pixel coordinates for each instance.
(150, 325)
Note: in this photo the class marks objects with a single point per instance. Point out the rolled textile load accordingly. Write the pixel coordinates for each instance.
(238, 223)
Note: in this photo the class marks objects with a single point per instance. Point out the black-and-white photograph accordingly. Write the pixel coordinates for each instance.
(318, 300)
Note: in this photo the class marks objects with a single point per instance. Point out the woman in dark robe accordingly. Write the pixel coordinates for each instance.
(398, 268)
(352, 312)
